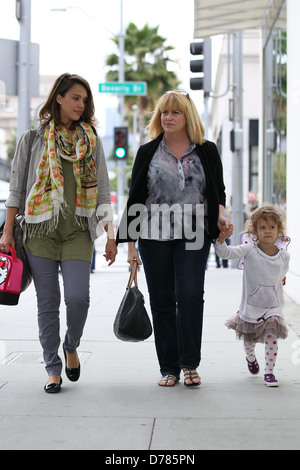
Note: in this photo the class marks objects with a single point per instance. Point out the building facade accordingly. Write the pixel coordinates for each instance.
(270, 102)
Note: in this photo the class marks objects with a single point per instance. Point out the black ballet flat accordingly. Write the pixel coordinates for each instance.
(72, 374)
(53, 388)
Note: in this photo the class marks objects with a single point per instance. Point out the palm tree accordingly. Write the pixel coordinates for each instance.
(145, 59)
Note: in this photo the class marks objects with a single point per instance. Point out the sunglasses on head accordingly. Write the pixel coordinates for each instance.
(179, 92)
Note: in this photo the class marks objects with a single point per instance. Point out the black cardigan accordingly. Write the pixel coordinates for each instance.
(215, 189)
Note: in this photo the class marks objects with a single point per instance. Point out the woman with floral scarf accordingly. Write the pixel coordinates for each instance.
(67, 208)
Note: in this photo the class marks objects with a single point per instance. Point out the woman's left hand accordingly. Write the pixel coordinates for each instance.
(111, 251)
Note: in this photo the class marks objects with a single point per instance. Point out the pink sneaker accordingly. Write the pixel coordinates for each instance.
(253, 366)
(270, 380)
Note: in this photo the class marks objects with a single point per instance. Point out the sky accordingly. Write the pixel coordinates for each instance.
(74, 42)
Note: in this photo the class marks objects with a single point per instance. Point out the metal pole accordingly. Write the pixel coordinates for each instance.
(121, 61)
(206, 114)
(121, 163)
(23, 12)
(134, 147)
(237, 216)
(269, 126)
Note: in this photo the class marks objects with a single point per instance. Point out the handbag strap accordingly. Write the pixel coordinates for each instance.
(23, 194)
(133, 275)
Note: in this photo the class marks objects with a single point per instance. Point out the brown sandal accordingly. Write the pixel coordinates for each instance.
(191, 375)
(166, 381)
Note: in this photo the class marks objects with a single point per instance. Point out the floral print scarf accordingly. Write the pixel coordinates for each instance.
(46, 199)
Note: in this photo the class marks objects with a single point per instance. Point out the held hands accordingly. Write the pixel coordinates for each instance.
(226, 232)
(111, 251)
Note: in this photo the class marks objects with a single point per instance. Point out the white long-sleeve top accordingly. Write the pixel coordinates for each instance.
(262, 292)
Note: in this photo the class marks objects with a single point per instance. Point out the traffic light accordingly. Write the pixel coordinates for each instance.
(201, 65)
(121, 143)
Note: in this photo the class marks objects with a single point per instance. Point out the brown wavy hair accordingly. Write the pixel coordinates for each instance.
(51, 109)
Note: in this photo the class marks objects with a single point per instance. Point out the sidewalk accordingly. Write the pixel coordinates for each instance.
(117, 405)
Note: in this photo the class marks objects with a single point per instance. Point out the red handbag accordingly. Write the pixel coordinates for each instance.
(11, 270)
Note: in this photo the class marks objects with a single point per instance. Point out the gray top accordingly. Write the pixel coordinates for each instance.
(262, 294)
(178, 182)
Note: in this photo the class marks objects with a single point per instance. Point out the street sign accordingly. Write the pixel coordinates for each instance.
(124, 88)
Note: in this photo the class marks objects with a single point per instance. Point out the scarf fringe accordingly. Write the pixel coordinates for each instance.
(43, 208)
(39, 230)
(42, 228)
(82, 221)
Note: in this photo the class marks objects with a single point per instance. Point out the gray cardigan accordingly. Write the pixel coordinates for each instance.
(103, 213)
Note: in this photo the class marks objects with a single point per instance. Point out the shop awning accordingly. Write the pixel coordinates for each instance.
(213, 17)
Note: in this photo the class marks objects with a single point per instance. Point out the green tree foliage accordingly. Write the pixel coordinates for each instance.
(145, 59)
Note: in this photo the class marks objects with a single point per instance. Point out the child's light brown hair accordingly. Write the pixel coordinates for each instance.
(265, 213)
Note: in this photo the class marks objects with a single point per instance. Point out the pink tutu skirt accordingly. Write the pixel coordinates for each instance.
(257, 332)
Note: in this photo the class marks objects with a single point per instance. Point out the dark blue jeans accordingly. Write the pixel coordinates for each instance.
(175, 279)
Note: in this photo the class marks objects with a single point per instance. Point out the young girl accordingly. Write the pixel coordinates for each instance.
(260, 318)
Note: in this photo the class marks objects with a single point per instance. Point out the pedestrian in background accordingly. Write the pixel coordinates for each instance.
(266, 263)
(67, 202)
(177, 167)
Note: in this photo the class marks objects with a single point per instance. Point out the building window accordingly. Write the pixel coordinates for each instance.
(253, 155)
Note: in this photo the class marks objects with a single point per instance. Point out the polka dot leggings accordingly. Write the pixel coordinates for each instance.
(271, 351)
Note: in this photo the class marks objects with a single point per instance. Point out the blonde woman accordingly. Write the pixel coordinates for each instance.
(177, 185)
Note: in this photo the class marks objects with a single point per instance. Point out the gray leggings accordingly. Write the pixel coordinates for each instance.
(76, 282)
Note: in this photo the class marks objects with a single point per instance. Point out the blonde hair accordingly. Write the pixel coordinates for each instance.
(265, 213)
(177, 100)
